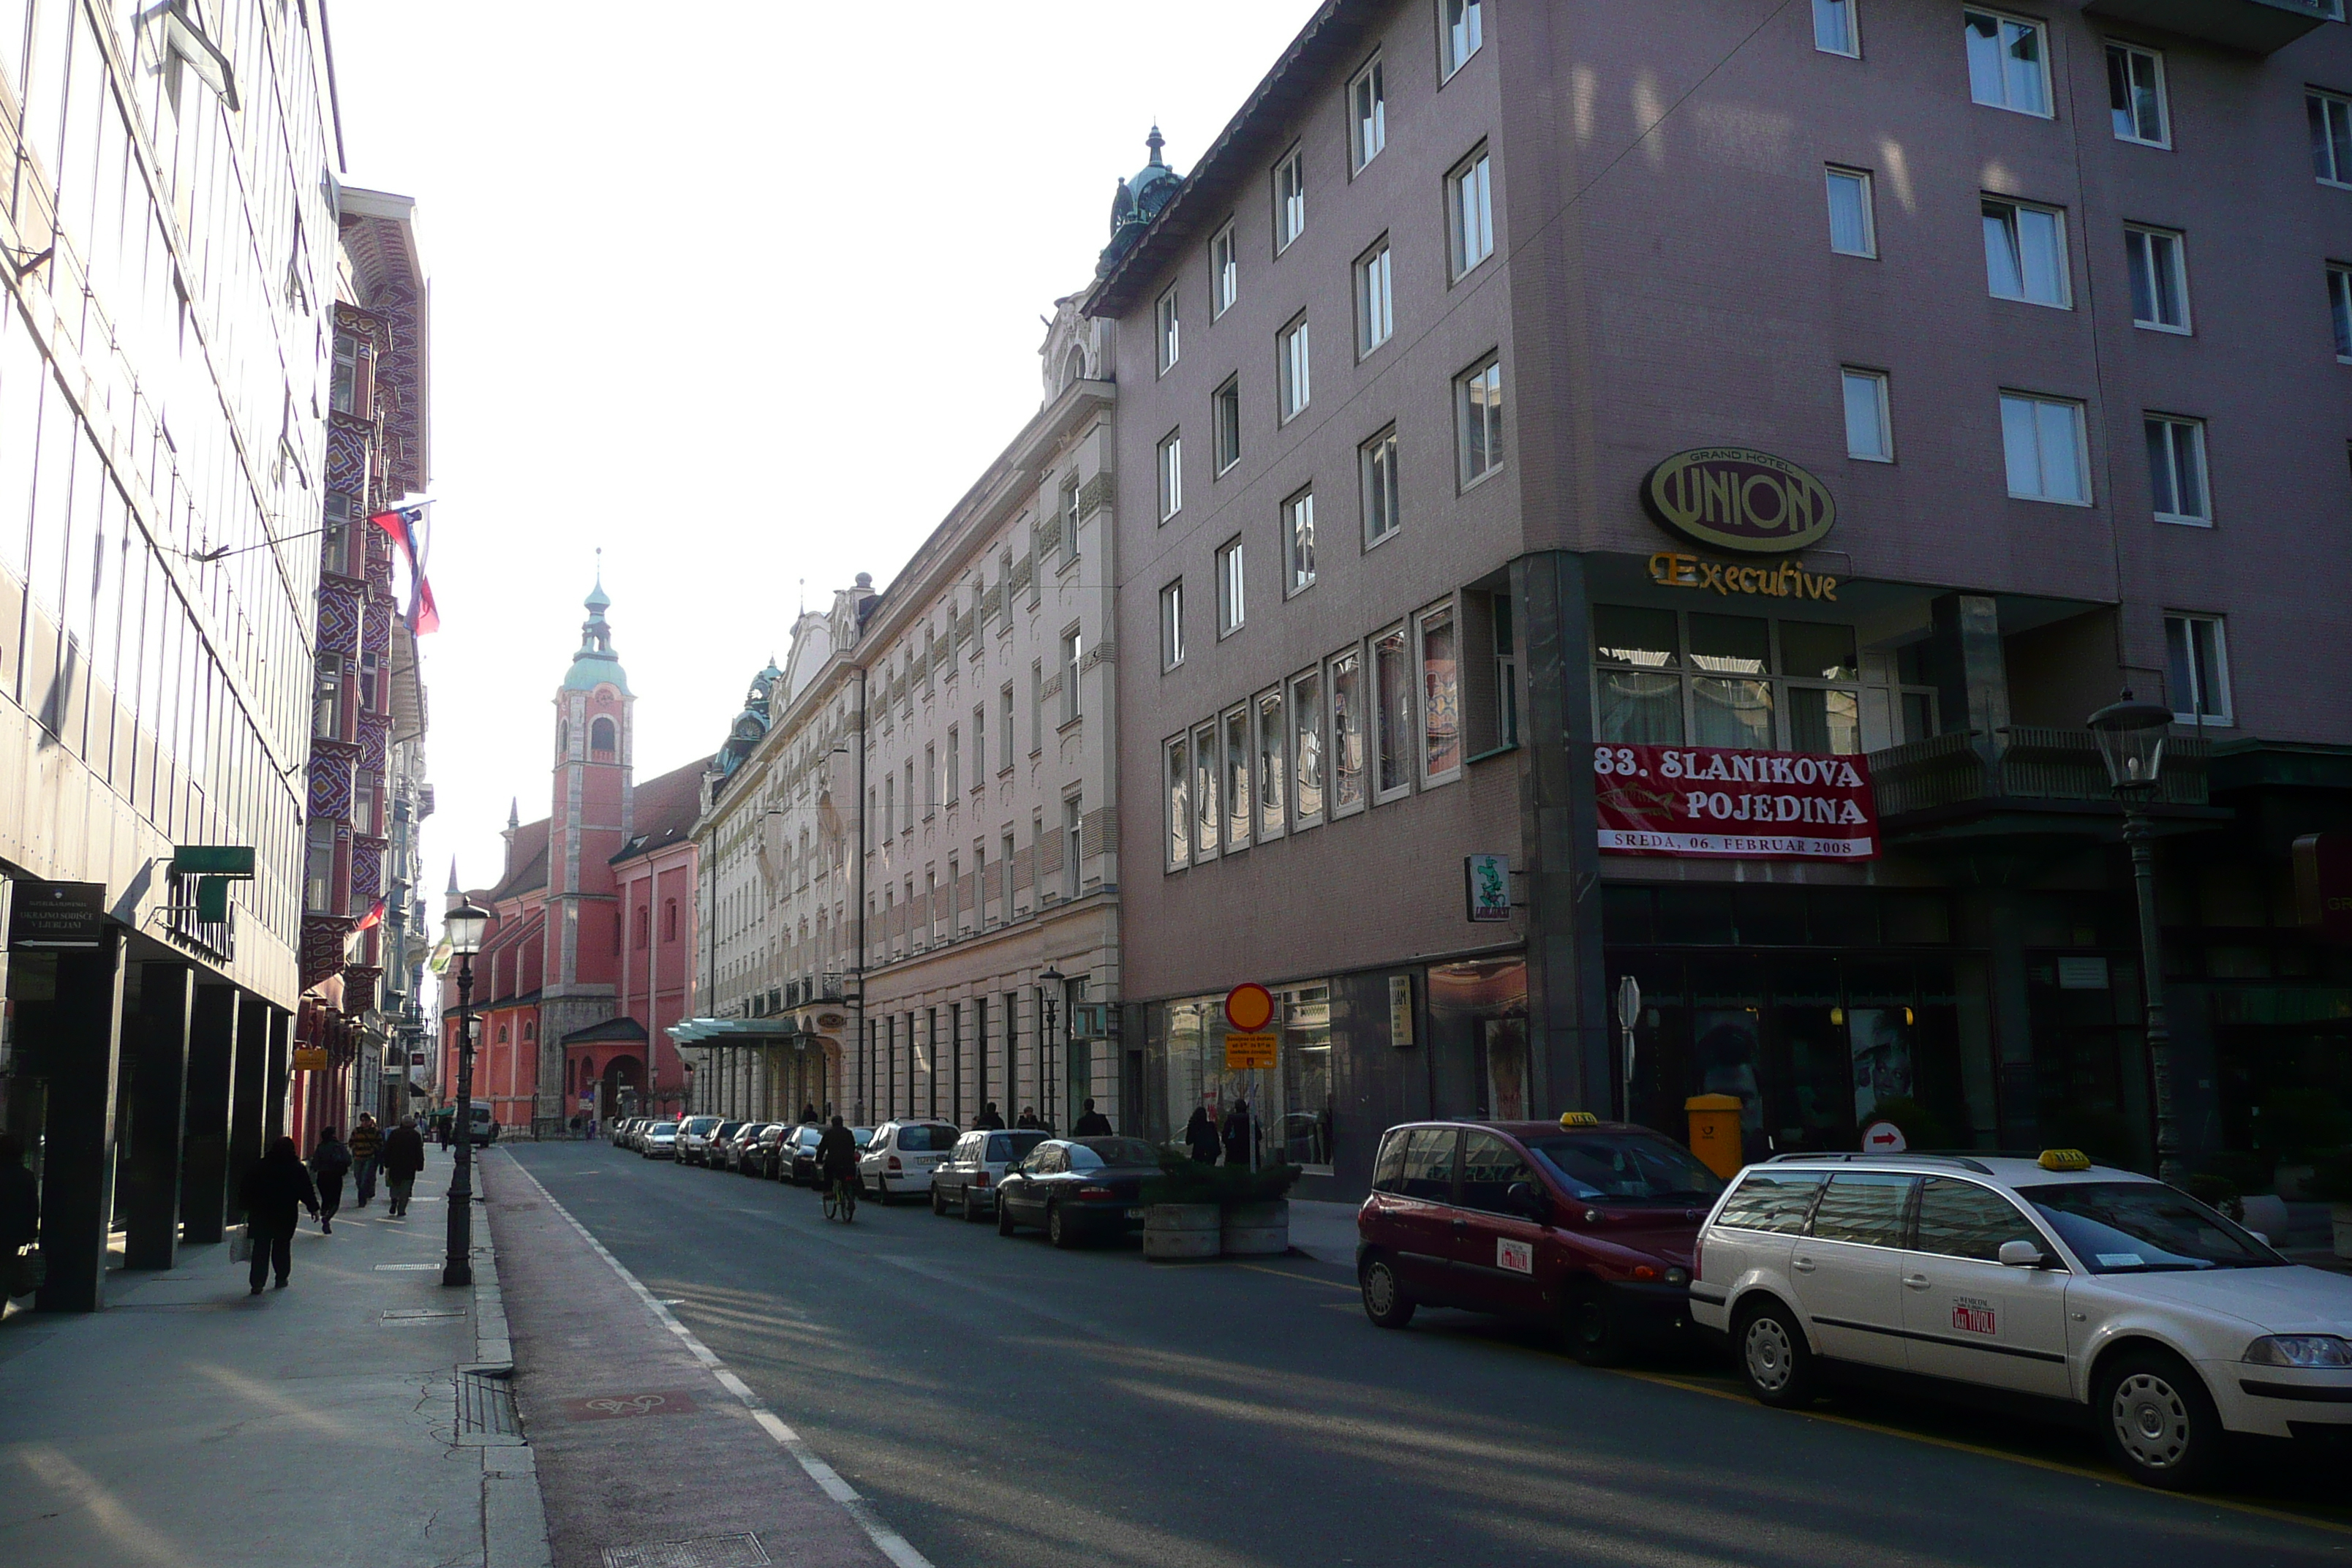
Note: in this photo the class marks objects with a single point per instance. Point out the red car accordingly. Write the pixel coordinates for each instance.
(1586, 1224)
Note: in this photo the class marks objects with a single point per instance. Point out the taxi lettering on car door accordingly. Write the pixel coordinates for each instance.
(1964, 1314)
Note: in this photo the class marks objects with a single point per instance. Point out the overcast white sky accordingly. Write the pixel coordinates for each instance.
(744, 294)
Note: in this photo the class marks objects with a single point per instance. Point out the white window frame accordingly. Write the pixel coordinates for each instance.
(1168, 331)
(1289, 197)
(1464, 418)
(1831, 173)
(1271, 821)
(2224, 715)
(1300, 818)
(1072, 648)
(1224, 270)
(2065, 270)
(1417, 651)
(1298, 561)
(1468, 34)
(2174, 429)
(1848, 377)
(2335, 110)
(2040, 401)
(1846, 12)
(1333, 810)
(1074, 846)
(1376, 472)
(1240, 820)
(1171, 474)
(2141, 258)
(1375, 299)
(1171, 624)
(1294, 355)
(1232, 587)
(2131, 53)
(2339, 308)
(1368, 133)
(1221, 460)
(1176, 767)
(2001, 43)
(1208, 832)
(1470, 212)
(1377, 713)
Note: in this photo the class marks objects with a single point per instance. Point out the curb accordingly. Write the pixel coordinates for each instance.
(514, 1514)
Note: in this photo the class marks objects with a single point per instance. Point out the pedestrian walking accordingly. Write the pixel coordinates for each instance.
(990, 1120)
(1201, 1135)
(1028, 1121)
(403, 1156)
(367, 1152)
(1091, 1123)
(1237, 1133)
(277, 1185)
(20, 1219)
(330, 1161)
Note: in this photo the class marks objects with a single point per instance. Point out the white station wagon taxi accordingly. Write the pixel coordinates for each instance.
(2049, 1277)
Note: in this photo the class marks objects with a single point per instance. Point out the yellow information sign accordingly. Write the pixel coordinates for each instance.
(310, 1058)
(1249, 1052)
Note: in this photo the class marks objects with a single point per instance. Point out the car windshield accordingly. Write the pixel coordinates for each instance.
(925, 1138)
(699, 1124)
(2144, 1227)
(1626, 1165)
(862, 1135)
(661, 1128)
(1111, 1152)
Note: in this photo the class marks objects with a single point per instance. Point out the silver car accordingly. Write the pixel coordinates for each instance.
(966, 1181)
(659, 1140)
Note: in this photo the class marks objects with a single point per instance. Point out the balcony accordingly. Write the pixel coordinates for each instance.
(2033, 783)
(2256, 27)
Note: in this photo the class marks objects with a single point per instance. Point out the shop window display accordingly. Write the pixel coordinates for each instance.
(1749, 682)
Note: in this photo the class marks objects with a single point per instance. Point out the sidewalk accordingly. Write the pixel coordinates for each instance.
(191, 1424)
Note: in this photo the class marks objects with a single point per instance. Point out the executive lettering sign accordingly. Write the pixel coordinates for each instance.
(1672, 569)
(1714, 803)
(1739, 500)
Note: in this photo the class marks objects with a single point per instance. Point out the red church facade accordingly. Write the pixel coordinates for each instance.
(589, 958)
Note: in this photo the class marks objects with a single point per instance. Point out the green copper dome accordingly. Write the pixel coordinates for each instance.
(597, 664)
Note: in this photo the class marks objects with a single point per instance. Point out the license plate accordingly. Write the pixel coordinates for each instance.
(1135, 1214)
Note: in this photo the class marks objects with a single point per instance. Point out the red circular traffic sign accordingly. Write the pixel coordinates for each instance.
(1249, 1008)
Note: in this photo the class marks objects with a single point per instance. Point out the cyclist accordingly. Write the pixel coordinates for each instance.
(837, 1163)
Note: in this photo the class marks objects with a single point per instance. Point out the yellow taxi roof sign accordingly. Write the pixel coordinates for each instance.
(2064, 1159)
(1578, 1118)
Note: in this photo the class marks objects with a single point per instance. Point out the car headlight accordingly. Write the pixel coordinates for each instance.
(2301, 1350)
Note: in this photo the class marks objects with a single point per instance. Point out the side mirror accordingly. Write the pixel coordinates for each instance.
(1526, 1198)
(2258, 1235)
(2021, 1255)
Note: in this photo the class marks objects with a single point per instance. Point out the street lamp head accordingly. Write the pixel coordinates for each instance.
(1050, 976)
(464, 926)
(2131, 737)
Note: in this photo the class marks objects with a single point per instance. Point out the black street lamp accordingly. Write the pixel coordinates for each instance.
(1049, 980)
(464, 926)
(2131, 737)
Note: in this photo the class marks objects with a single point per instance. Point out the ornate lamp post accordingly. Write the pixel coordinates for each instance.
(1050, 983)
(465, 926)
(2131, 737)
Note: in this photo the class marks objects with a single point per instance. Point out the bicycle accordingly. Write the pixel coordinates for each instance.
(841, 1201)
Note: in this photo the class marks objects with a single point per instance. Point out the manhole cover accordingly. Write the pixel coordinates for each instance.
(707, 1552)
(628, 1406)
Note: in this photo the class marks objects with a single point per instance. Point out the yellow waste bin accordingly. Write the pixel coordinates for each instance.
(1715, 1133)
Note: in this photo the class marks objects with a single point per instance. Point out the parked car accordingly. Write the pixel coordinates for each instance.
(1077, 1188)
(2067, 1282)
(897, 1160)
(967, 1180)
(659, 1140)
(694, 1138)
(766, 1157)
(629, 1131)
(797, 1153)
(804, 1167)
(714, 1148)
(1585, 1224)
(734, 1154)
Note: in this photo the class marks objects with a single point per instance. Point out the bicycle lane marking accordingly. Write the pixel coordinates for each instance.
(892, 1544)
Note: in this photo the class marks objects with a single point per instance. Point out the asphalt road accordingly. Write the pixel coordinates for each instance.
(1006, 1405)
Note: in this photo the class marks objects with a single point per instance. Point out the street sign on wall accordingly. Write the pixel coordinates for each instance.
(1718, 803)
(1486, 887)
(1250, 1052)
(57, 915)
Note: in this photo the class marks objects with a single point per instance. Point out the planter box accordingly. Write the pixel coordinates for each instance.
(1256, 1230)
(1180, 1230)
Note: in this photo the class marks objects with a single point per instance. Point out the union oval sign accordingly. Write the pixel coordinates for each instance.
(1737, 498)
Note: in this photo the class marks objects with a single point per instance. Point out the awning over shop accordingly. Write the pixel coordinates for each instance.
(715, 1032)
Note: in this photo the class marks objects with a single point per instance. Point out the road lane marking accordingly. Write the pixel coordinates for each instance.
(1302, 1279)
(891, 1544)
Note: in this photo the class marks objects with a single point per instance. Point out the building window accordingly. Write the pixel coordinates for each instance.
(1233, 605)
(2009, 63)
(1289, 199)
(1004, 728)
(2041, 439)
(2176, 469)
(1205, 817)
(1441, 694)
(1306, 748)
(906, 823)
(1236, 726)
(1461, 28)
(1171, 624)
(1071, 651)
(2159, 279)
(319, 866)
(1172, 475)
(603, 741)
(1869, 433)
(1470, 212)
(1657, 677)
(1392, 705)
(1273, 776)
(2135, 95)
(1376, 465)
(978, 744)
(2199, 669)
(2331, 137)
(1291, 365)
(643, 926)
(1036, 706)
(2339, 308)
(669, 920)
(1853, 228)
(1225, 423)
(1368, 115)
(1074, 845)
(1375, 299)
(1005, 853)
(1171, 335)
(1298, 538)
(1224, 272)
(2025, 252)
(1478, 420)
(343, 390)
(931, 782)
(955, 765)
(1834, 32)
(1069, 534)
(1507, 672)
(1346, 674)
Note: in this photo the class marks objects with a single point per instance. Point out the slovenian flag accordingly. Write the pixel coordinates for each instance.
(405, 523)
(373, 918)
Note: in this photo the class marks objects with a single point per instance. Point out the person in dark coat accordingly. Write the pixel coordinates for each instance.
(20, 1209)
(1201, 1136)
(1028, 1119)
(367, 1152)
(990, 1120)
(276, 1187)
(329, 1163)
(1091, 1123)
(403, 1156)
(808, 1115)
(1237, 1133)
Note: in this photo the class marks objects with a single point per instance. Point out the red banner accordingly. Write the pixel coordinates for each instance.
(1711, 802)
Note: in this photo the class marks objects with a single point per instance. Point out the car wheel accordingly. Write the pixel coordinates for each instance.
(2157, 1420)
(1003, 1216)
(1774, 1357)
(972, 1212)
(1593, 1333)
(939, 1202)
(1385, 1302)
(1060, 1231)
